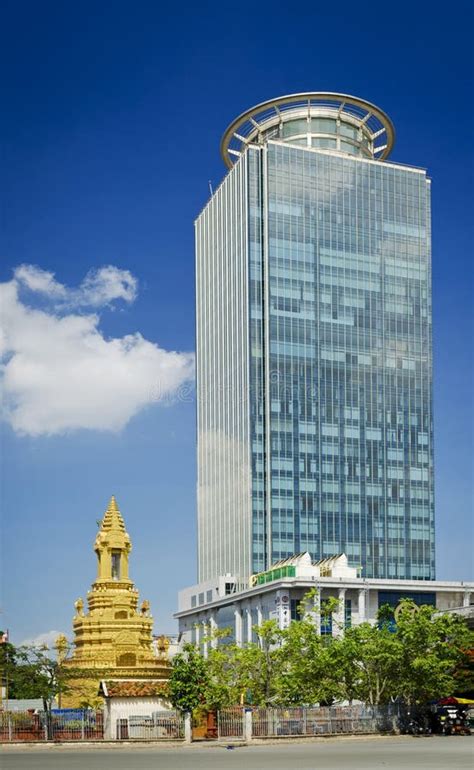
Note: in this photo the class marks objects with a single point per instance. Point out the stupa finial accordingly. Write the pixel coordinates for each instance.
(112, 545)
(112, 520)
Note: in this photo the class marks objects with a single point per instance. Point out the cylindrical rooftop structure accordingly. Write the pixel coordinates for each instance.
(323, 120)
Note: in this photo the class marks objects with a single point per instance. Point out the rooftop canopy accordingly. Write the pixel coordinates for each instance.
(322, 120)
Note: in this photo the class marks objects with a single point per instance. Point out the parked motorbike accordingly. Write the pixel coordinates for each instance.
(415, 723)
(452, 721)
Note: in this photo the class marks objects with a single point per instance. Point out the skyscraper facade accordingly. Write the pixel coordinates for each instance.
(314, 361)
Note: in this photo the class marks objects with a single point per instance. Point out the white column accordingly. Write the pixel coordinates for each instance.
(283, 605)
(317, 610)
(197, 626)
(108, 732)
(259, 615)
(466, 599)
(205, 635)
(238, 624)
(361, 605)
(338, 626)
(248, 614)
(248, 724)
(188, 729)
(213, 628)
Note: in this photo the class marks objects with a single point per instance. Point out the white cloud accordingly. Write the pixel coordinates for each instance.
(42, 640)
(40, 281)
(99, 287)
(60, 373)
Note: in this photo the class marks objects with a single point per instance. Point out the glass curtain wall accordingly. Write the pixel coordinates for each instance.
(222, 354)
(349, 458)
(314, 365)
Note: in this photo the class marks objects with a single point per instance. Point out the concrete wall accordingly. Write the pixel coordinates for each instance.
(122, 708)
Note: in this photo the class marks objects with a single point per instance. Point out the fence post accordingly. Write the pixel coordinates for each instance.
(9, 727)
(305, 721)
(396, 718)
(188, 728)
(82, 726)
(248, 725)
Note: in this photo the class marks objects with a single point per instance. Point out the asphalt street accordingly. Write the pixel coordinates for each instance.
(432, 753)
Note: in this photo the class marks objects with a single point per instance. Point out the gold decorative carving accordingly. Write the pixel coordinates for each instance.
(163, 644)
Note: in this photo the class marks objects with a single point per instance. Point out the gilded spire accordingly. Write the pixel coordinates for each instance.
(112, 545)
(112, 521)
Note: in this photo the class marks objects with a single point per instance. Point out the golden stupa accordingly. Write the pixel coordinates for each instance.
(113, 639)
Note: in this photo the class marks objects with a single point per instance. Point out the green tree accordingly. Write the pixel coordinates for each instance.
(386, 617)
(307, 671)
(188, 680)
(417, 656)
(308, 667)
(223, 687)
(256, 666)
(464, 675)
(369, 659)
(433, 652)
(33, 673)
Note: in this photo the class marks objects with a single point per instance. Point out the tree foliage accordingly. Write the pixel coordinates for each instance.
(30, 672)
(259, 666)
(418, 656)
(188, 680)
(370, 658)
(434, 650)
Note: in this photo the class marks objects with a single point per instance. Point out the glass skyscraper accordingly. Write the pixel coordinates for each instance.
(314, 360)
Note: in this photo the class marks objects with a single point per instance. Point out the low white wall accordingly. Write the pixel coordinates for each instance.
(122, 708)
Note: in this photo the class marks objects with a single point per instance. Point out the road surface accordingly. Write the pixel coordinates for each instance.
(386, 753)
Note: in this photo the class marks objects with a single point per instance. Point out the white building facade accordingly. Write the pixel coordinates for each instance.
(277, 594)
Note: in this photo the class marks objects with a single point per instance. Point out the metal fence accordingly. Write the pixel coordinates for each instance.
(88, 725)
(230, 722)
(70, 725)
(287, 722)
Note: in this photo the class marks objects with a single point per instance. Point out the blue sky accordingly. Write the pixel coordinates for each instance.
(113, 117)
